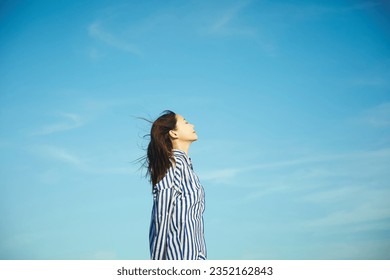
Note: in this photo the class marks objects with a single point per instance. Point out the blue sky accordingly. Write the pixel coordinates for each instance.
(290, 99)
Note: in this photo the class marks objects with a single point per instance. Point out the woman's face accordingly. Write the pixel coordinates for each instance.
(184, 130)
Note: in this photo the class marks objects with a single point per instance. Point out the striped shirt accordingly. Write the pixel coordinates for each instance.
(176, 228)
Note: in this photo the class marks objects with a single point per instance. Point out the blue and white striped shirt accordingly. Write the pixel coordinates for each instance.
(176, 228)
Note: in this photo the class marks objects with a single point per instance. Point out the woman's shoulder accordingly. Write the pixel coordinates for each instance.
(166, 181)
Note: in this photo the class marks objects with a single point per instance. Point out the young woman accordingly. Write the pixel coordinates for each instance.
(176, 228)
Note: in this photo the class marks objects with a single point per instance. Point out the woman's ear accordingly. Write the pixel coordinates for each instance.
(173, 134)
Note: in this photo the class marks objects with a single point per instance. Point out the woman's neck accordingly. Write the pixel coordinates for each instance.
(182, 146)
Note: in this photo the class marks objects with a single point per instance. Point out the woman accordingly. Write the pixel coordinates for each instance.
(176, 229)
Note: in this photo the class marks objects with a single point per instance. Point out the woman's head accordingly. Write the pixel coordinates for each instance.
(160, 147)
(168, 131)
(183, 133)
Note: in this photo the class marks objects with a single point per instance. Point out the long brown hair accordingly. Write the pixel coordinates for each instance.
(159, 151)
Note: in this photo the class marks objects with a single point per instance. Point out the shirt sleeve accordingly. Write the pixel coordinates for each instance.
(165, 194)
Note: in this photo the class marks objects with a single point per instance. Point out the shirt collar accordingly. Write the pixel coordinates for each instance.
(182, 154)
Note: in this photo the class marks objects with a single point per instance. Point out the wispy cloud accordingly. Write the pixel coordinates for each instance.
(222, 175)
(229, 24)
(96, 31)
(313, 10)
(95, 54)
(81, 163)
(364, 5)
(379, 81)
(68, 121)
(221, 24)
(378, 116)
(62, 155)
(232, 24)
(364, 213)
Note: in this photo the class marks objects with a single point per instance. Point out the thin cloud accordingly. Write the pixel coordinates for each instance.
(95, 31)
(361, 6)
(379, 81)
(62, 155)
(223, 24)
(362, 214)
(310, 11)
(116, 170)
(95, 54)
(92, 108)
(222, 175)
(334, 195)
(230, 24)
(69, 121)
(378, 116)
(227, 17)
(81, 163)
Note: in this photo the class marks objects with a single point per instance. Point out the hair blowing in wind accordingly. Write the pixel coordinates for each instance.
(159, 151)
